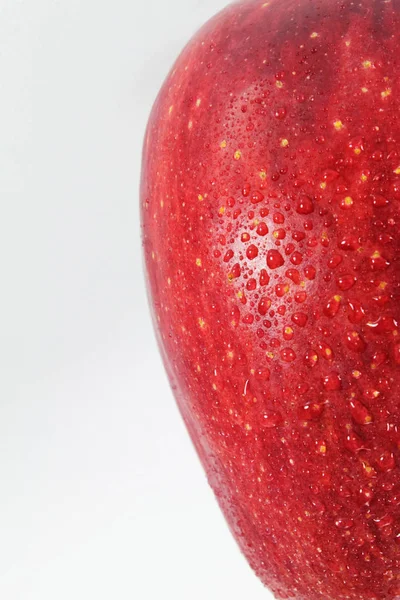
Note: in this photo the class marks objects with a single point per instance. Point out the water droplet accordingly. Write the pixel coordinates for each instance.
(335, 261)
(262, 229)
(300, 319)
(349, 243)
(384, 324)
(264, 305)
(326, 351)
(289, 248)
(280, 113)
(228, 255)
(271, 419)
(355, 342)
(288, 355)
(310, 272)
(264, 277)
(384, 525)
(356, 312)
(330, 175)
(257, 197)
(332, 382)
(360, 413)
(296, 258)
(293, 275)
(245, 237)
(379, 201)
(366, 494)
(288, 333)
(305, 206)
(303, 388)
(300, 297)
(385, 238)
(311, 411)
(371, 393)
(346, 203)
(386, 462)
(308, 225)
(311, 358)
(262, 374)
(252, 252)
(318, 505)
(235, 272)
(377, 262)
(332, 307)
(281, 289)
(274, 259)
(345, 282)
(242, 296)
(378, 359)
(353, 442)
(278, 218)
(377, 155)
(248, 319)
(251, 284)
(343, 523)
(298, 236)
(246, 190)
(279, 234)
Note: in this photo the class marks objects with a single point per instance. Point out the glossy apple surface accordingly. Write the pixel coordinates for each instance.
(270, 211)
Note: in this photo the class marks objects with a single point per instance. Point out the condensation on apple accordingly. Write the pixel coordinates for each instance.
(270, 200)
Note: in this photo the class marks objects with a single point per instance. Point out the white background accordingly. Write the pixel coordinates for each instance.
(101, 494)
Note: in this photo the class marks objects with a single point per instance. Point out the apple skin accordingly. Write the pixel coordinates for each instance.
(270, 216)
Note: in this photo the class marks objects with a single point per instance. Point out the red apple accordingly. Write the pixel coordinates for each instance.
(271, 220)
